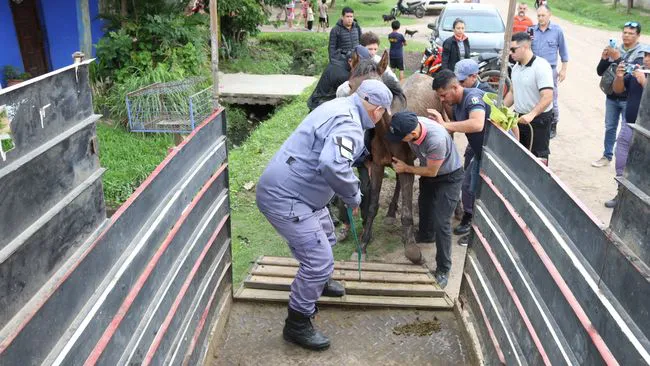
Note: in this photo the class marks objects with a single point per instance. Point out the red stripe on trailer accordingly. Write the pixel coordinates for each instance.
(598, 341)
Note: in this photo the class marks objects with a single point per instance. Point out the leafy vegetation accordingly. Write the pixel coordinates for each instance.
(129, 158)
(598, 14)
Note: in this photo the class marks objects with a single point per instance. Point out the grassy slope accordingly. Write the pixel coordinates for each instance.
(129, 158)
(369, 15)
(595, 13)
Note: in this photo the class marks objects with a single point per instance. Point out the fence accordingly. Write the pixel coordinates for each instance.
(176, 106)
(544, 282)
(144, 287)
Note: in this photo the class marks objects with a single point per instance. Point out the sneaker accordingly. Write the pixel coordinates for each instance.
(465, 225)
(601, 162)
(463, 241)
(442, 278)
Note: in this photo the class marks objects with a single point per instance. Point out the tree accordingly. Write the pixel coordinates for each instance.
(630, 5)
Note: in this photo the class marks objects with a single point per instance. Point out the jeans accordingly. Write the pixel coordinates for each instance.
(623, 143)
(436, 202)
(614, 109)
(470, 183)
(556, 109)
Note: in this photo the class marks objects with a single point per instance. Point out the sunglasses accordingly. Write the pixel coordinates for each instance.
(631, 24)
(513, 49)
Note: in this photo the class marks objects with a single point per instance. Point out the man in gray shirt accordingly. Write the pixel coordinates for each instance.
(441, 175)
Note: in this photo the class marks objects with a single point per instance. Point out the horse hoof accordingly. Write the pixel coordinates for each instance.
(390, 221)
(413, 253)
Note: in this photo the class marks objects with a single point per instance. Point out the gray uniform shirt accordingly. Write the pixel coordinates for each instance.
(436, 143)
(315, 162)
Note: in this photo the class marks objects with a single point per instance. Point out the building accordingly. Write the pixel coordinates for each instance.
(38, 36)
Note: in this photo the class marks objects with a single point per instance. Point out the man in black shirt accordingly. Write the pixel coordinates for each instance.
(632, 84)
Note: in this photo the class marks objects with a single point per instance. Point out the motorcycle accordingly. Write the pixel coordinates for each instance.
(489, 69)
(431, 59)
(412, 8)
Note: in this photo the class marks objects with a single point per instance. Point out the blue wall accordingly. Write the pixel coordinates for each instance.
(60, 18)
(10, 51)
(59, 24)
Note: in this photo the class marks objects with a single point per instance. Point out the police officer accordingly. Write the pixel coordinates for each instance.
(312, 165)
(441, 175)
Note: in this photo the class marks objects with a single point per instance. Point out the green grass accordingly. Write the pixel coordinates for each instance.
(369, 15)
(129, 158)
(595, 13)
(280, 53)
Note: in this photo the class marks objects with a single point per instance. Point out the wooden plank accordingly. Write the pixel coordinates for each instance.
(365, 266)
(352, 287)
(347, 275)
(250, 294)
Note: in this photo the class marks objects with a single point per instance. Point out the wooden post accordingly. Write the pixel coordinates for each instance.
(505, 54)
(214, 40)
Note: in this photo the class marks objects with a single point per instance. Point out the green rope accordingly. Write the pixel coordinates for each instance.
(356, 239)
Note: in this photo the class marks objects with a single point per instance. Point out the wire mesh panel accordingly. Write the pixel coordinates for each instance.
(176, 106)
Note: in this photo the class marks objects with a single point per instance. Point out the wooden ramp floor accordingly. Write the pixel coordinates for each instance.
(381, 284)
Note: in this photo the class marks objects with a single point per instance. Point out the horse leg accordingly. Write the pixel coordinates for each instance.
(391, 216)
(411, 250)
(376, 178)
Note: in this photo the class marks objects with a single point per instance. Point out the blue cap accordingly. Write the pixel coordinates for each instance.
(361, 51)
(376, 93)
(401, 125)
(645, 48)
(465, 68)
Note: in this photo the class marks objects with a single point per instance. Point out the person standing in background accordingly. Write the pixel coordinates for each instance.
(455, 48)
(310, 16)
(548, 40)
(322, 16)
(397, 43)
(521, 22)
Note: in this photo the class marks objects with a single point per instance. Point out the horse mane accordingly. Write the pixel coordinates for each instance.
(396, 89)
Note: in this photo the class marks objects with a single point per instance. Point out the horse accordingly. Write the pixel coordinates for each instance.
(417, 95)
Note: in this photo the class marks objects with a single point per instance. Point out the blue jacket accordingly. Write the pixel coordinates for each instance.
(315, 162)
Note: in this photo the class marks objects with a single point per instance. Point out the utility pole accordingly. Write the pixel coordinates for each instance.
(505, 54)
(214, 41)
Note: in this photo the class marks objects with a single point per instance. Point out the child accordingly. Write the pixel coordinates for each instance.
(397, 43)
(305, 11)
(310, 17)
(290, 14)
(322, 16)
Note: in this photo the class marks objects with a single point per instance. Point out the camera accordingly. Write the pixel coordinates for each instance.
(629, 68)
(612, 43)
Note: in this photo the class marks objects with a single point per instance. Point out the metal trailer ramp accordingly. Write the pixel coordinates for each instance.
(364, 326)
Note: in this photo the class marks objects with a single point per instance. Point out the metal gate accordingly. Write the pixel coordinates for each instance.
(543, 281)
(145, 286)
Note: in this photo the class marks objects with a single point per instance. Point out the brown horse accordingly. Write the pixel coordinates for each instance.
(418, 94)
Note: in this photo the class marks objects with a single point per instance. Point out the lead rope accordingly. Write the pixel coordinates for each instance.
(356, 239)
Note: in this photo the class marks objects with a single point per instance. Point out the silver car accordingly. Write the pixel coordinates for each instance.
(483, 26)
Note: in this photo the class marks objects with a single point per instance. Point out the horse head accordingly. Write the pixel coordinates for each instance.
(366, 69)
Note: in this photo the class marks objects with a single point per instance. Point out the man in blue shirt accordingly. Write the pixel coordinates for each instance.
(312, 165)
(548, 40)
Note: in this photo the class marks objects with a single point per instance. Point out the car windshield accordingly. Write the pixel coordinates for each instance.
(475, 22)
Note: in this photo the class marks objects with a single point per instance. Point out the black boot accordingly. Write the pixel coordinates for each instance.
(465, 225)
(612, 203)
(333, 288)
(299, 330)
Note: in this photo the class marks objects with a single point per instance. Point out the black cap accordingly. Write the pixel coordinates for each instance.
(401, 125)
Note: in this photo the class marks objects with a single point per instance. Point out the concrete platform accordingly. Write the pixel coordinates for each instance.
(253, 336)
(261, 89)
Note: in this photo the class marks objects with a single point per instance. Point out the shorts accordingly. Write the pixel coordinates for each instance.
(541, 135)
(322, 20)
(397, 63)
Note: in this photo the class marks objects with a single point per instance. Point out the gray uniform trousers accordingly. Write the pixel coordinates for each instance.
(310, 241)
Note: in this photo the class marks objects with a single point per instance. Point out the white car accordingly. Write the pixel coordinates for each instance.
(435, 4)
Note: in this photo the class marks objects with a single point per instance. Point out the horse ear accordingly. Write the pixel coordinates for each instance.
(383, 63)
(354, 61)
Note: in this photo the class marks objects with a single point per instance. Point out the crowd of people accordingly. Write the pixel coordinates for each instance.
(316, 162)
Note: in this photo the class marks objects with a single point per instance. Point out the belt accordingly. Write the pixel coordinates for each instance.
(543, 114)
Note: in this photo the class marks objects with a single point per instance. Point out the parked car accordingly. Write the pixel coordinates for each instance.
(435, 4)
(483, 25)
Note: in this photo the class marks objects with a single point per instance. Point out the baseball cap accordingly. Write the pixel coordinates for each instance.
(361, 51)
(645, 48)
(376, 93)
(464, 68)
(401, 125)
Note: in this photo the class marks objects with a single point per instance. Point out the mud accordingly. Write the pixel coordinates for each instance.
(419, 328)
